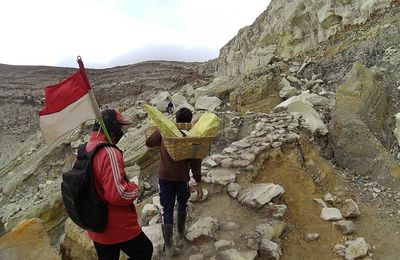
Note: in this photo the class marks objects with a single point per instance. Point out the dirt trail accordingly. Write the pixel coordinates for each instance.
(304, 214)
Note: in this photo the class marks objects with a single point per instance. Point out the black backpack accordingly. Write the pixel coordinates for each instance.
(79, 194)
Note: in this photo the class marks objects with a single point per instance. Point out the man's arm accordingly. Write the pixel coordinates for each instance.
(195, 165)
(117, 190)
(154, 139)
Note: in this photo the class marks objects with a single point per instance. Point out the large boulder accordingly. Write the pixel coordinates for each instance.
(28, 240)
(358, 126)
(303, 106)
(207, 103)
(76, 244)
(161, 100)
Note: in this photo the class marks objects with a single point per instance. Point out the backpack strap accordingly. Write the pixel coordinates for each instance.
(82, 154)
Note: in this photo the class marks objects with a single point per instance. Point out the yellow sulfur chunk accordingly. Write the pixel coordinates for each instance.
(166, 126)
(207, 125)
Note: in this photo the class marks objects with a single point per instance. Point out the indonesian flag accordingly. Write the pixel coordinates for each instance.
(68, 104)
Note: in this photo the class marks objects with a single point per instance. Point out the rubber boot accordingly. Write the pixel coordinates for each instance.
(181, 229)
(181, 225)
(169, 248)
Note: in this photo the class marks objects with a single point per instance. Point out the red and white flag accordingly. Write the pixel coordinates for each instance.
(68, 104)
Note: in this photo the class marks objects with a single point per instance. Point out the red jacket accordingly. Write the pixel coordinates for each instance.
(109, 172)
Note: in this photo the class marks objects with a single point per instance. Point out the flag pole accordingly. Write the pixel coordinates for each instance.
(94, 103)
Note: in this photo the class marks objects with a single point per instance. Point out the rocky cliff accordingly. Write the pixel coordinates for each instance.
(290, 28)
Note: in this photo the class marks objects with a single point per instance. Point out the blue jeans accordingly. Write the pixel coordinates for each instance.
(169, 191)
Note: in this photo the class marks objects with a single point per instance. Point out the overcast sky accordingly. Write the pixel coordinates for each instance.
(107, 33)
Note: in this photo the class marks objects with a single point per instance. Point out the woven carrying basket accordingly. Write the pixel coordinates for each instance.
(181, 148)
(184, 126)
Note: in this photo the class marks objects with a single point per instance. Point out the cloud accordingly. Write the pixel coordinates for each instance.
(50, 32)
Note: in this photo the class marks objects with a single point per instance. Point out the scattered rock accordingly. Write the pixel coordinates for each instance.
(356, 249)
(260, 194)
(204, 227)
(269, 249)
(350, 209)
(345, 226)
(312, 236)
(331, 214)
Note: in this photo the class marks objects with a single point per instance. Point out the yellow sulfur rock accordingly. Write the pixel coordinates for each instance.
(166, 126)
(207, 125)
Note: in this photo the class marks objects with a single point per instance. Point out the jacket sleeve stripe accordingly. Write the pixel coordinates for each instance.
(117, 176)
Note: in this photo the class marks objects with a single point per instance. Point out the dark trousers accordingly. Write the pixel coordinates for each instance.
(139, 248)
(169, 191)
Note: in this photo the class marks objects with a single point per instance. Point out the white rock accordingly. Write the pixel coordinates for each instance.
(233, 189)
(300, 106)
(277, 211)
(345, 226)
(269, 249)
(149, 210)
(331, 214)
(161, 100)
(223, 244)
(227, 163)
(258, 195)
(356, 249)
(195, 197)
(229, 226)
(207, 103)
(233, 254)
(312, 236)
(350, 209)
(248, 156)
(222, 176)
(329, 198)
(339, 249)
(204, 227)
(288, 91)
(156, 201)
(209, 162)
(155, 220)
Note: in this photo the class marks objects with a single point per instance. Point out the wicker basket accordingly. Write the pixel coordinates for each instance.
(181, 148)
(184, 126)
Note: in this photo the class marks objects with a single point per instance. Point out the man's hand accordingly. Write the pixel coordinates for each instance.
(199, 190)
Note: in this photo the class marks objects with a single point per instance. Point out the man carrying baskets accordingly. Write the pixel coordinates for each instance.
(173, 184)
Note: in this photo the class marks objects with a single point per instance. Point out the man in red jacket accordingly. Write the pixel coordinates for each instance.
(123, 231)
(173, 177)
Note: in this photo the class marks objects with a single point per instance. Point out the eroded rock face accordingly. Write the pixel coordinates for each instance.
(288, 28)
(358, 127)
(261, 94)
